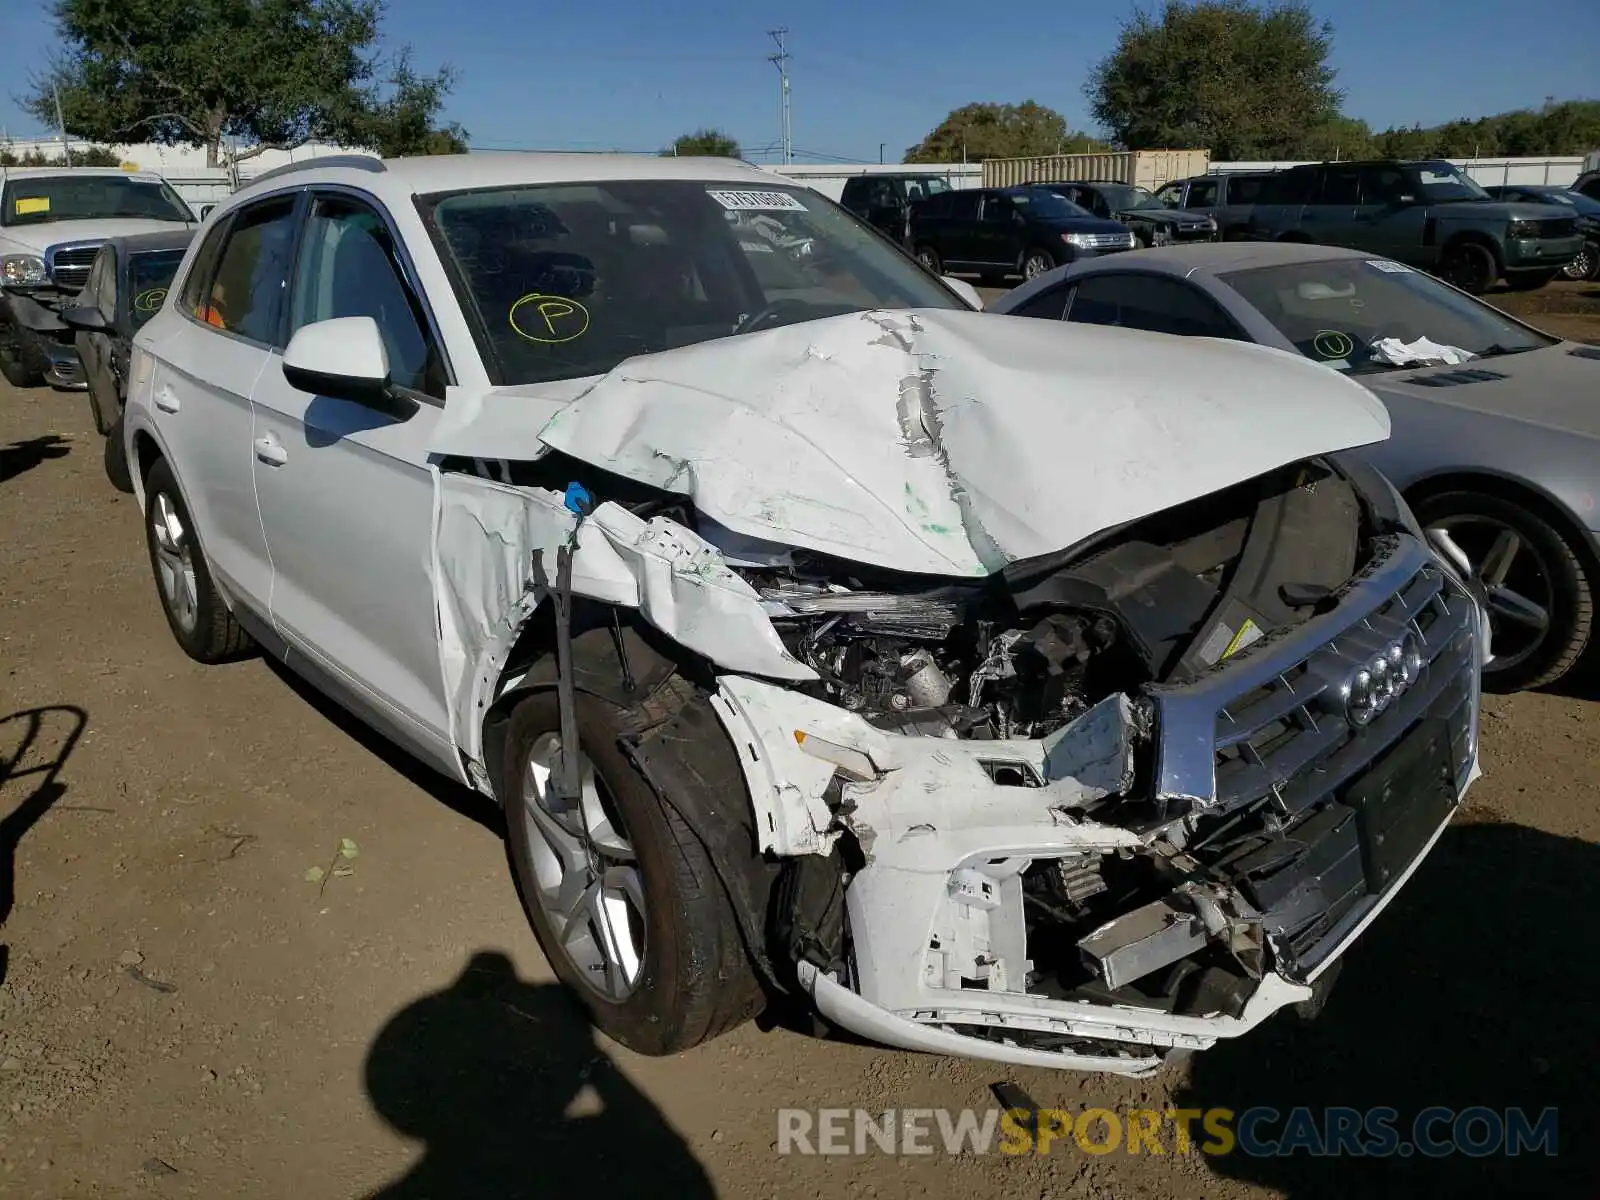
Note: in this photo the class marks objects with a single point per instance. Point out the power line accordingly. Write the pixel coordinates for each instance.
(781, 61)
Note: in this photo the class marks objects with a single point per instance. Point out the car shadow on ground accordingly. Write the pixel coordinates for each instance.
(1477, 986)
(18, 457)
(35, 744)
(502, 1082)
(455, 796)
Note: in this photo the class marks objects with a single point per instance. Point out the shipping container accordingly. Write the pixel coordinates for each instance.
(1147, 168)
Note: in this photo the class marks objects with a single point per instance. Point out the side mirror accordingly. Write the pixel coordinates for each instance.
(965, 290)
(343, 358)
(85, 319)
(205, 210)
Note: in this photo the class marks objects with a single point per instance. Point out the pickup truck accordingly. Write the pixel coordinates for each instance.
(52, 223)
(1428, 214)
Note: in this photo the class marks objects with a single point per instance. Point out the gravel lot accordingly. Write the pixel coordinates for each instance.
(184, 1013)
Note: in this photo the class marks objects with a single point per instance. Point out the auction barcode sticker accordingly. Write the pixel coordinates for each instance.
(757, 201)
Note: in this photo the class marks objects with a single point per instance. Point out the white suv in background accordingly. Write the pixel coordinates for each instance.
(818, 634)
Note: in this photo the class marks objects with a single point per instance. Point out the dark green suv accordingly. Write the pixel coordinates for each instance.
(1428, 214)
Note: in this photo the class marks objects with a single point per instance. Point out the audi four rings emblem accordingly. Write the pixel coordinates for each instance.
(1381, 679)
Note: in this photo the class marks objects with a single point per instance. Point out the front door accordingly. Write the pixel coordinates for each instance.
(347, 492)
(1391, 218)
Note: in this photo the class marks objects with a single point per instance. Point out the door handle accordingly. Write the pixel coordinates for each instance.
(166, 399)
(270, 451)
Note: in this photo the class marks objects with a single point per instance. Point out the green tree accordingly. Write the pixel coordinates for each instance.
(975, 132)
(1224, 75)
(93, 156)
(702, 143)
(1342, 138)
(1567, 127)
(268, 74)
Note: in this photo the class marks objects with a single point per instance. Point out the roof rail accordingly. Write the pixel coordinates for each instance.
(355, 162)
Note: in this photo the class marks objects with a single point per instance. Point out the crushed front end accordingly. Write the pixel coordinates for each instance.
(1128, 800)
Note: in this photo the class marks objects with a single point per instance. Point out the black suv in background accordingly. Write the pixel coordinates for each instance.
(1428, 214)
(1024, 230)
(885, 200)
(1226, 199)
(1152, 222)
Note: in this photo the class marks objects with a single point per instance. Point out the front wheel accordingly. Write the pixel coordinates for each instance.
(929, 258)
(1585, 266)
(14, 367)
(1540, 595)
(1469, 266)
(1035, 263)
(624, 898)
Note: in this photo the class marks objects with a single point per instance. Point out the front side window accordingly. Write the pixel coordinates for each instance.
(38, 200)
(996, 208)
(964, 205)
(100, 288)
(1337, 311)
(1171, 196)
(150, 274)
(1148, 302)
(1443, 182)
(568, 280)
(918, 189)
(348, 267)
(247, 290)
(1126, 197)
(1202, 193)
(1340, 186)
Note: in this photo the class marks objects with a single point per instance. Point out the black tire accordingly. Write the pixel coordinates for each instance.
(1529, 281)
(696, 980)
(116, 458)
(929, 258)
(213, 635)
(1554, 562)
(1585, 266)
(13, 362)
(1469, 266)
(1035, 262)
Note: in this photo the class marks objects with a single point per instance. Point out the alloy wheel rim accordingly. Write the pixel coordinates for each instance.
(1034, 267)
(1515, 578)
(586, 874)
(926, 260)
(175, 563)
(1580, 267)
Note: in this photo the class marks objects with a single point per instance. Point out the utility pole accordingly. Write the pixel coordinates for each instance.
(66, 150)
(781, 61)
(880, 153)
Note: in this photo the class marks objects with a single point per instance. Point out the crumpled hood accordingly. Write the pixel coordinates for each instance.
(940, 442)
(36, 239)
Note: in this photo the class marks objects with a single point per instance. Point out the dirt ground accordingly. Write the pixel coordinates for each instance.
(184, 1013)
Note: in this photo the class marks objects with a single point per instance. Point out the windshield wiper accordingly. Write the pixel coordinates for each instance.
(1496, 350)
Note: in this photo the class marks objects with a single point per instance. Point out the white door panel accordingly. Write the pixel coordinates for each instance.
(346, 497)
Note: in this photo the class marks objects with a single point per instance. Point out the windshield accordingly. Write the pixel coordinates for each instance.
(568, 280)
(149, 277)
(1047, 205)
(1361, 316)
(1441, 182)
(1125, 196)
(41, 199)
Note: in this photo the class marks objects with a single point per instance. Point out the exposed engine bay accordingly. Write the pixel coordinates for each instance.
(1033, 649)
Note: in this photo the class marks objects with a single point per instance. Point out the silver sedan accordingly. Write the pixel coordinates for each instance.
(1496, 426)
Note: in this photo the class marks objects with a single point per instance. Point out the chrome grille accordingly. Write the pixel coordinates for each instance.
(1289, 738)
(1104, 241)
(69, 265)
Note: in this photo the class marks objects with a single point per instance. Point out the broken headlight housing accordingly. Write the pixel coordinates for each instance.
(23, 270)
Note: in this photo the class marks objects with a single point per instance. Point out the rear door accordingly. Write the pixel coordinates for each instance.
(1330, 217)
(206, 365)
(998, 240)
(347, 492)
(959, 231)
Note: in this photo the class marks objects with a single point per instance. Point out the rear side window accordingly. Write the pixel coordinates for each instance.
(1149, 302)
(248, 288)
(197, 285)
(1288, 187)
(1244, 190)
(1048, 305)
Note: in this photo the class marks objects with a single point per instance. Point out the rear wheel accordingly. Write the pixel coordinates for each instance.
(1540, 598)
(929, 258)
(200, 621)
(1470, 266)
(624, 898)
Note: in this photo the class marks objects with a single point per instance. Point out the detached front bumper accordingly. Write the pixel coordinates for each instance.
(940, 954)
(45, 341)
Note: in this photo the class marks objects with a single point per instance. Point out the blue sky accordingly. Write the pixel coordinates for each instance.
(626, 74)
